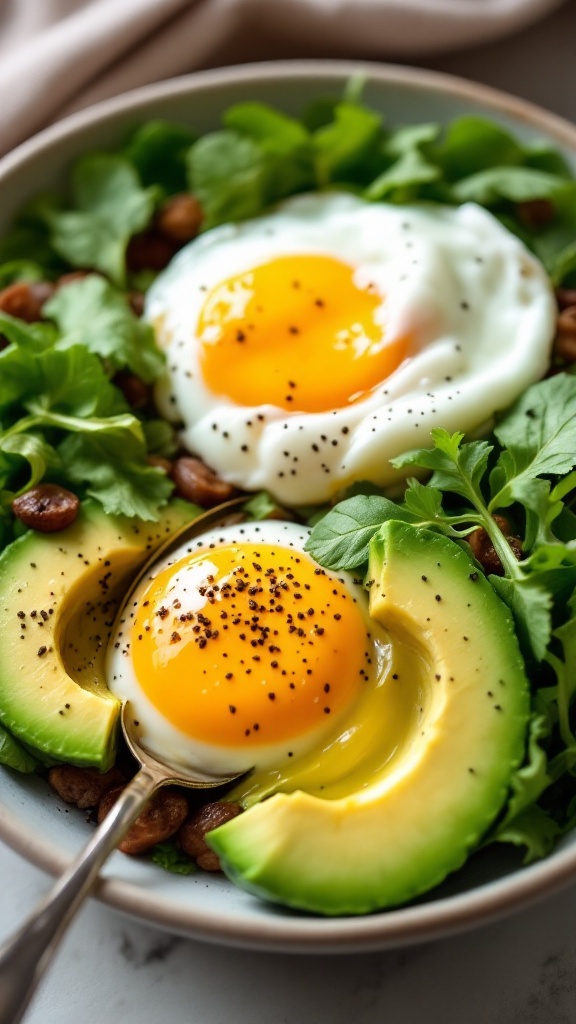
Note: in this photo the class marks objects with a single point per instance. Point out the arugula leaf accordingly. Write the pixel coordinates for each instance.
(544, 157)
(518, 184)
(170, 857)
(345, 148)
(33, 337)
(406, 173)
(407, 150)
(67, 391)
(14, 755)
(110, 206)
(92, 313)
(524, 823)
(261, 506)
(40, 455)
(18, 376)
(563, 266)
(16, 270)
(564, 670)
(158, 151)
(473, 144)
(160, 438)
(531, 605)
(285, 141)
(342, 537)
(539, 433)
(532, 828)
(29, 241)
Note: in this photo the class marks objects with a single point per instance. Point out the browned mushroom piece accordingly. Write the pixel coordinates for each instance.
(565, 297)
(137, 393)
(25, 299)
(46, 508)
(535, 213)
(84, 787)
(180, 218)
(160, 463)
(196, 482)
(160, 820)
(565, 341)
(484, 551)
(193, 831)
(149, 251)
(136, 302)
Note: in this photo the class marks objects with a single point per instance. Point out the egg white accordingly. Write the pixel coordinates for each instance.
(478, 305)
(172, 745)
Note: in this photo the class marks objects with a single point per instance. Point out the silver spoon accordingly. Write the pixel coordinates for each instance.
(25, 956)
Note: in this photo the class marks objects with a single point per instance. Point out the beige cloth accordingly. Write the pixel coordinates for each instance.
(61, 55)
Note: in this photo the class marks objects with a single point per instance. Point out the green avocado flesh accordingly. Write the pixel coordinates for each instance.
(414, 821)
(59, 595)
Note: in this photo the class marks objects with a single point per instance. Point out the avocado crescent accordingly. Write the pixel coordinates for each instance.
(417, 821)
(60, 593)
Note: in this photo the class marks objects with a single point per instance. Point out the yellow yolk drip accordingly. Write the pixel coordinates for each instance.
(248, 645)
(296, 332)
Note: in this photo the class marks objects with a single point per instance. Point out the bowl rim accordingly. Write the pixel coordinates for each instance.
(305, 934)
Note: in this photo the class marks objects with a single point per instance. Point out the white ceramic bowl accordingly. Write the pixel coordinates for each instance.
(32, 819)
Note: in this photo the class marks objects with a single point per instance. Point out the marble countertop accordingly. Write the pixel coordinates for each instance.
(521, 970)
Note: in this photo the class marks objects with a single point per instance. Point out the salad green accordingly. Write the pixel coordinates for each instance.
(63, 417)
(534, 444)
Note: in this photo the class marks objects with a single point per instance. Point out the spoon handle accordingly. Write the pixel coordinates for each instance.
(25, 956)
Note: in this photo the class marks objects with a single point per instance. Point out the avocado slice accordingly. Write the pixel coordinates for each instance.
(59, 595)
(407, 827)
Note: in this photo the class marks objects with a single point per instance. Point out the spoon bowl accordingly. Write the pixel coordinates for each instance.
(25, 956)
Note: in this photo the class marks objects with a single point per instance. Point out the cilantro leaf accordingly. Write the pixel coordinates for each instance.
(92, 313)
(423, 501)
(228, 174)
(285, 141)
(110, 206)
(112, 464)
(71, 382)
(456, 468)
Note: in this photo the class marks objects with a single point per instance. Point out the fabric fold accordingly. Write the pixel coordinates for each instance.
(61, 55)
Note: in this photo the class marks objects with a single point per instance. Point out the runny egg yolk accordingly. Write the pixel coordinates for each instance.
(248, 645)
(297, 332)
